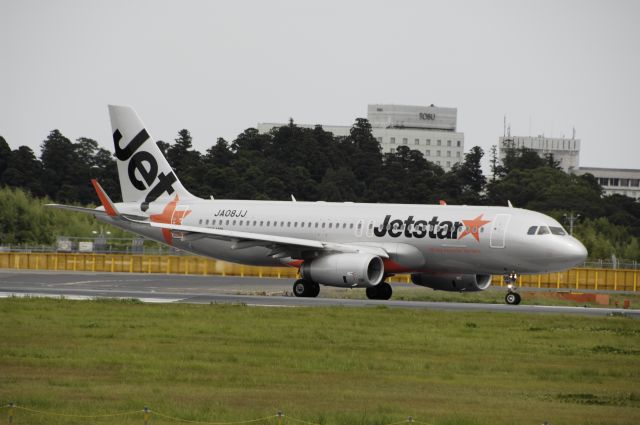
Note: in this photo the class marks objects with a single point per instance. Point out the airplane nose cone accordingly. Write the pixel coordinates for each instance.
(576, 252)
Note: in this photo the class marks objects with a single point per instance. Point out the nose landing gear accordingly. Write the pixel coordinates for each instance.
(512, 297)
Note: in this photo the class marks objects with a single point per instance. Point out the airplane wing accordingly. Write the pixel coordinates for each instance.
(281, 246)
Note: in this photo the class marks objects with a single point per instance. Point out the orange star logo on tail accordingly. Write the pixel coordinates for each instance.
(170, 215)
(472, 227)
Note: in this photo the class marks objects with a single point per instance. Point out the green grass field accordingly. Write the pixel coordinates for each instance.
(363, 366)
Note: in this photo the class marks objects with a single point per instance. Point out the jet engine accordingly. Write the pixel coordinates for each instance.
(453, 282)
(346, 270)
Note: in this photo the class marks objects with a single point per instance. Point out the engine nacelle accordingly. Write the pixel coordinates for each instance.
(453, 282)
(345, 270)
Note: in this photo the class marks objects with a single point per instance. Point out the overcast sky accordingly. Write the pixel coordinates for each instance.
(217, 68)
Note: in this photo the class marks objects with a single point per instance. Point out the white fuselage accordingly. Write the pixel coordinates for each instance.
(418, 238)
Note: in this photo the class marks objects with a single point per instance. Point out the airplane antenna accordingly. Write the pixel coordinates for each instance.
(293, 198)
(509, 204)
(504, 126)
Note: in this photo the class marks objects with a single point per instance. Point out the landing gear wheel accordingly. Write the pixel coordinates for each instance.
(302, 288)
(512, 298)
(381, 291)
(314, 290)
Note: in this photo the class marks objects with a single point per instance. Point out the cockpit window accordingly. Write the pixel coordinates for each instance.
(543, 230)
(558, 231)
(532, 230)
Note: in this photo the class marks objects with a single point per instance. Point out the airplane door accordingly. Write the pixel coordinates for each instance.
(499, 230)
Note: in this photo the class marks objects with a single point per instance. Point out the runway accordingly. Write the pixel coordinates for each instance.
(252, 291)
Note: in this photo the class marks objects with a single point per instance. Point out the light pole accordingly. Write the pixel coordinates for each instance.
(100, 239)
(571, 219)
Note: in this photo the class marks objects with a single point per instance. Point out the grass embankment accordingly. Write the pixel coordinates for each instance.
(326, 365)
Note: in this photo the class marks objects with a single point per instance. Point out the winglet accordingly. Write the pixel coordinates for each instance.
(108, 205)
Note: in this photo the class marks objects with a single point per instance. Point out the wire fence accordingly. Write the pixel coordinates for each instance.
(147, 415)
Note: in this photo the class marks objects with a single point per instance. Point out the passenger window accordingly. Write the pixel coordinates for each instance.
(241, 221)
(288, 224)
(532, 230)
(543, 230)
(227, 223)
(254, 222)
(316, 225)
(302, 224)
(330, 225)
(268, 223)
(351, 226)
(200, 222)
(323, 225)
(261, 223)
(558, 231)
(344, 225)
(295, 224)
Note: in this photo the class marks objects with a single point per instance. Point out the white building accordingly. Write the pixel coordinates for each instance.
(615, 180)
(428, 129)
(567, 151)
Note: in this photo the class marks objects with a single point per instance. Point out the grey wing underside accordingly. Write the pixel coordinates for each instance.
(280, 246)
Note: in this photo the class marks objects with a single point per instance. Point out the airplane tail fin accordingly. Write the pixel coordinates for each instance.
(144, 173)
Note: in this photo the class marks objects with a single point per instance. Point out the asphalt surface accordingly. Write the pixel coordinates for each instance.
(232, 290)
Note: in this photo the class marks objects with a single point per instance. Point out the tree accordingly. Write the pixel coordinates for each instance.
(5, 154)
(63, 172)
(23, 170)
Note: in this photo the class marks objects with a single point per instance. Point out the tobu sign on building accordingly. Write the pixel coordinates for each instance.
(407, 116)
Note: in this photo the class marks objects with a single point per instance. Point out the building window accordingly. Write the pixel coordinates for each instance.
(624, 182)
(614, 182)
(439, 142)
(448, 164)
(417, 141)
(448, 153)
(404, 140)
(635, 182)
(428, 142)
(392, 141)
(437, 153)
(427, 152)
(458, 154)
(390, 150)
(458, 143)
(448, 142)
(379, 139)
(437, 162)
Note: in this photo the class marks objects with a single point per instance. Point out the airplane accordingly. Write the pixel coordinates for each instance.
(350, 245)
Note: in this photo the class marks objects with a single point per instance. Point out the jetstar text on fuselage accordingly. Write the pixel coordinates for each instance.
(433, 229)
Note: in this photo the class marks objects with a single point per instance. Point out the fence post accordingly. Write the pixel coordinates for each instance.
(146, 415)
(596, 281)
(11, 413)
(410, 420)
(280, 415)
(577, 274)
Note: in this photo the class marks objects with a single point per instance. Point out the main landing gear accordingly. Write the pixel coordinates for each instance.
(512, 297)
(303, 288)
(382, 291)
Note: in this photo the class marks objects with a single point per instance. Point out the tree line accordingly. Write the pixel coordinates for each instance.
(313, 164)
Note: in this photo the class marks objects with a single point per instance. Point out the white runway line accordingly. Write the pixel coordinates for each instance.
(86, 297)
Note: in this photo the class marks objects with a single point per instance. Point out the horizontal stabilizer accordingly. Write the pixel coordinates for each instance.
(77, 209)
